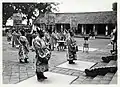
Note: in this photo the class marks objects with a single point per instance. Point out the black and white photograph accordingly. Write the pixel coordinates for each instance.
(66, 42)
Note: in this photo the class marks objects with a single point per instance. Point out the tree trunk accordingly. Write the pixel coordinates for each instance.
(28, 20)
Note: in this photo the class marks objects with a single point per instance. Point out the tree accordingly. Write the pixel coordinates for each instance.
(27, 9)
(114, 6)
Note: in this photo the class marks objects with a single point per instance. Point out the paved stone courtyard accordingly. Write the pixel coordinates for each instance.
(14, 72)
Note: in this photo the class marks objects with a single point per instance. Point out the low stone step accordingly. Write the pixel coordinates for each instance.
(87, 80)
(107, 59)
(107, 78)
(102, 70)
(110, 75)
(97, 79)
(80, 79)
(114, 79)
(111, 63)
(101, 63)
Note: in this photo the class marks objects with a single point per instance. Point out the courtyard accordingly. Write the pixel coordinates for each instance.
(60, 72)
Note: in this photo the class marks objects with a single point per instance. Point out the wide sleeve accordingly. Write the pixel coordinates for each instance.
(37, 44)
(27, 43)
(38, 48)
(69, 43)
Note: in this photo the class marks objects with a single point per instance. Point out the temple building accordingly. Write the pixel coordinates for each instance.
(101, 23)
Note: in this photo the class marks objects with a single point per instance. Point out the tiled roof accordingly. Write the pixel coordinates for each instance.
(106, 17)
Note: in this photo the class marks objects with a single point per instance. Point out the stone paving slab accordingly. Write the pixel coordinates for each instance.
(114, 79)
(79, 80)
(110, 75)
(53, 78)
(66, 71)
(79, 65)
(97, 79)
(87, 80)
(90, 49)
(100, 64)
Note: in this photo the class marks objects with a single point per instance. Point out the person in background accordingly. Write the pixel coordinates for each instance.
(114, 40)
(23, 48)
(55, 38)
(86, 44)
(66, 33)
(92, 35)
(34, 35)
(47, 39)
(43, 55)
(9, 36)
(52, 41)
(71, 43)
(15, 37)
(29, 37)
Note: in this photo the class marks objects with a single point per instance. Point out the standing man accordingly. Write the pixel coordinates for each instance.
(9, 36)
(23, 48)
(15, 38)
(43, 55)
(71, 43)
(29, 37)
(114, 40)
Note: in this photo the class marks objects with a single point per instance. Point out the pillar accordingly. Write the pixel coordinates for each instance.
(61, 27)
(93, 28)
(82, 29)
(106, 31)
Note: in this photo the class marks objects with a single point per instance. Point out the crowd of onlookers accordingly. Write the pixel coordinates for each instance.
(51, 37)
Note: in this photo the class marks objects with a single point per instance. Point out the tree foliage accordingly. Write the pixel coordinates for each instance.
(26, 8)
(114, 6)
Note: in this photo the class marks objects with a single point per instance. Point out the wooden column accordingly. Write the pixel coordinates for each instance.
(96, 29)
(61, 27)
(106, 31)
(82, 29)
(55, 29)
